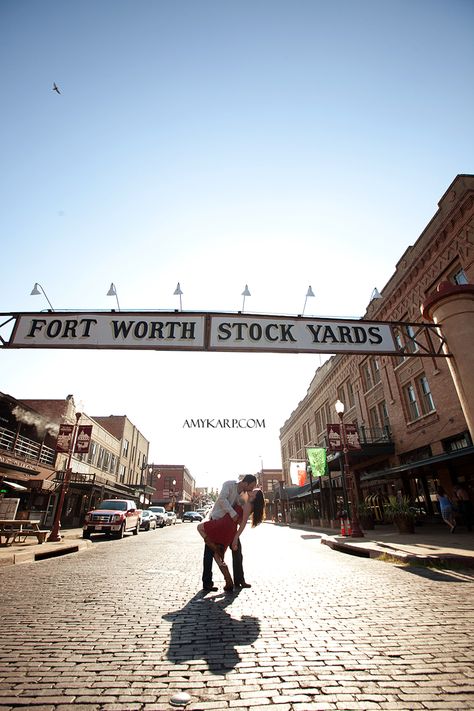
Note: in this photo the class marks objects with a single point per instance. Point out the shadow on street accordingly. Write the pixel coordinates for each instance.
(203, 629)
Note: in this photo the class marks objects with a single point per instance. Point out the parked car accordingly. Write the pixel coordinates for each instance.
(171, 518)
(192, 516)
(149, 521)
(160, 513)
(113, 516)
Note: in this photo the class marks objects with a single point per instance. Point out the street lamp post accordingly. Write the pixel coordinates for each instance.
(143, 486)
(173, 497)
(55, 535)
(355, 525)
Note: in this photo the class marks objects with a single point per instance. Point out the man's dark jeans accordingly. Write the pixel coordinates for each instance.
(237, 566)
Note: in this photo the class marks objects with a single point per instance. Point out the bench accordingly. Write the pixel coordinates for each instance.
(18, 530)
(40, 535)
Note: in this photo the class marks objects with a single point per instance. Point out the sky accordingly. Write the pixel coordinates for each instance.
(274, 143)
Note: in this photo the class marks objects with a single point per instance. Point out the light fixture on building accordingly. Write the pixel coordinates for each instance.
(375, 294)
(113, 292)
(245, 293)
(36, 291)
(178, 292)
(308, 294)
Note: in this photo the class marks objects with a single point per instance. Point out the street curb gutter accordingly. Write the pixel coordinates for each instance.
(43, 552)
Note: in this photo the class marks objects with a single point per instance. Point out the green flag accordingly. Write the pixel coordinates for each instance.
(317, 460)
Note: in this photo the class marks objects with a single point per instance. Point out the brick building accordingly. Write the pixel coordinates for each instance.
(174, 486)
(412, 429)
(33, 470)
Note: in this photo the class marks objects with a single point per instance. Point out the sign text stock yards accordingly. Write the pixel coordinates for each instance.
(203, 331)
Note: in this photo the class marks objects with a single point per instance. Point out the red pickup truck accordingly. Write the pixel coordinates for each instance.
(113, 516)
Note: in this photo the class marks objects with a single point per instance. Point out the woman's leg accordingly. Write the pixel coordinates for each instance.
(219, 558)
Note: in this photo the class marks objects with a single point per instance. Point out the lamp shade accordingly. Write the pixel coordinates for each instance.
(339, 407)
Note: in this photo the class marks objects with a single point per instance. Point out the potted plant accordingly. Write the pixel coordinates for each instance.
(365, 516)
(401, 513)
(299, 515)
(310, 514)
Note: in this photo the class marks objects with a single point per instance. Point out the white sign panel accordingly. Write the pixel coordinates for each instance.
(300, 335)
(203, 331)
(164, 331)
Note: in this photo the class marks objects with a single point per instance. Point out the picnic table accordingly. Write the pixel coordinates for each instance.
(15, 529)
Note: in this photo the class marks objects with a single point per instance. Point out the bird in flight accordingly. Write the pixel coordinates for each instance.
(55, 88)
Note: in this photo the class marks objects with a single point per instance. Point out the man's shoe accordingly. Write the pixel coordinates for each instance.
(209, 588)
(242, 585)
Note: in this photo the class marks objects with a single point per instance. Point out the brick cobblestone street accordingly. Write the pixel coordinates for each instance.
(123, 626)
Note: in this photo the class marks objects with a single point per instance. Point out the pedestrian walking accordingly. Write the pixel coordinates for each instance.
(446, 508)
(229, 495)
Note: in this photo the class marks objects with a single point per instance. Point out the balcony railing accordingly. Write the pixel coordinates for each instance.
(374, 435)
(26, 448)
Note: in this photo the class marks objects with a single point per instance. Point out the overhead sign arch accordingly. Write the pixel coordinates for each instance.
(214, 331)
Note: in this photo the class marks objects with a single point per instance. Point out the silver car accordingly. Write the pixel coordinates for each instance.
(160, 513)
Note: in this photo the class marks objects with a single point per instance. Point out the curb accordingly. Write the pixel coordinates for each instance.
(43, 552)
(407, 558)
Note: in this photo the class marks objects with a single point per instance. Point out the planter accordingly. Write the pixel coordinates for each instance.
(367, 523)
(404, 524)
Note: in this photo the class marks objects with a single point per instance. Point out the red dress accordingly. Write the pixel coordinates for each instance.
(222, 530)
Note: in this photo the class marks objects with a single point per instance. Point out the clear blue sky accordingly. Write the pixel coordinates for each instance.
(273, 143)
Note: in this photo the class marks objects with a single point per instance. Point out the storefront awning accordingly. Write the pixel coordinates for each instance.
(17, 487)
(429, 462)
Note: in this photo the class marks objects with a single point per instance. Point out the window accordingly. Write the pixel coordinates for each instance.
(374, 418)
(376, 370)
(318, 421)
(350, 394)
(400, 345)
(306, 433)
(100, 457)
(297, 442)
(125, 447)
(427, 404)
(410, 397)
(411, 344)
(459, 277)
(341, 394)
(454, 443)
(92, 453)
(383, 413)
(106, 460)
(122, 472)
(366, 376)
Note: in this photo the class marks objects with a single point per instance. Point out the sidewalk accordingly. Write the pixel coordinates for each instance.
(31, 551)
(429, 544)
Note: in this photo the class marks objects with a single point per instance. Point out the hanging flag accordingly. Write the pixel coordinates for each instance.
(298, 473)
(317, 460)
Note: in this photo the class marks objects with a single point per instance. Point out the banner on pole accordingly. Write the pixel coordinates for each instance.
(298, 473)
(317, 460)
(83, 439)
(64, 441)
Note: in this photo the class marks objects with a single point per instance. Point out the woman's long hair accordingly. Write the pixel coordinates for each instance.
(258, 508)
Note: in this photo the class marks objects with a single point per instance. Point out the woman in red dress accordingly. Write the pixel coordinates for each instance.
(220, 533)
